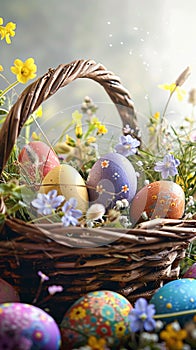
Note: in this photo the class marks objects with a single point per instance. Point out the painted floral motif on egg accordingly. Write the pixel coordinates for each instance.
(111, 178)
(159, 199)
(103, 314)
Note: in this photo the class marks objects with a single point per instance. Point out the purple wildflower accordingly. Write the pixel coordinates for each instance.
(71, 215)
(54, 289)
(43, 276)
(141, 317)
(45, 203)
(127, 146)
(168, 166)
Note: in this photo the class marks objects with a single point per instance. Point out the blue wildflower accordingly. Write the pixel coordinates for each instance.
(168, 166)
(46, 203)
(71, 215)
(127, 146)
(141, 317)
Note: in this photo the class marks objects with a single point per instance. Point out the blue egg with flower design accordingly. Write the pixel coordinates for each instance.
(100, 314)
(24, 326)
(176, 300)
(111, 178)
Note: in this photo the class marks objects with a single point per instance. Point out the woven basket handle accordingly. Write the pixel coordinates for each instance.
(47, 85)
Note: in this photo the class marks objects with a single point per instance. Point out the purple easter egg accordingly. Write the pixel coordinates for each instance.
(191, 272)
(24, 326)
(111, 178)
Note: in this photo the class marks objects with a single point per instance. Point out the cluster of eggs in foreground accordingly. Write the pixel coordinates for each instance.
(111, 178)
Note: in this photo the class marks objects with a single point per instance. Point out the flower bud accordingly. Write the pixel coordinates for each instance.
(183, 77)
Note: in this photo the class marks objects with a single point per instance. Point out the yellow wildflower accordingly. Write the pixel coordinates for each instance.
(1, 68)
(187, 181)
(35, 136)
(101, 129)
(77, 313)
(7, 31)
(38, 112)
(173, 337)
(91, 139)
(173, 87)
(95, 121)
(70, 141)
(120, 329)
(77, 117)
(96, 344)
(156, 115)
(78, 131)
(24, 70)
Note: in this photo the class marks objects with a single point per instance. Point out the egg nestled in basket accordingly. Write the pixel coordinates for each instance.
(159, 199)
(24, 326)
(102, 314)
(68, 182)
(37, 159)
(111, 178)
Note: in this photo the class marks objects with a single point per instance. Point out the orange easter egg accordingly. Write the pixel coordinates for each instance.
(159, 199)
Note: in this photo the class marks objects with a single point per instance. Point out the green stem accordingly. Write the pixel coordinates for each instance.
(173, 314)
(9, 88)
(167, 104)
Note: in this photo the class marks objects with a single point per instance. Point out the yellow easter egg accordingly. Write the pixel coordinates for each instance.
(69, 183)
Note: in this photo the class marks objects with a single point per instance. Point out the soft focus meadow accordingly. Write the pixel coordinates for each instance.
(167, 152)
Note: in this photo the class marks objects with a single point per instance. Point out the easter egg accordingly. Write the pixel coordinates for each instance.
(69, 183)
(175, 297)
(159, 199)
(7, 292)
(37, 159)
(111, 178)
(190, 272)
(102, 314)
(24, 326)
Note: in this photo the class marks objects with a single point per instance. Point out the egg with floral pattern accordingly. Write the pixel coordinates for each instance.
(159, 199)
(111, 178)
(102, 314)
(7, 292)
(24, 326)
(176, 297)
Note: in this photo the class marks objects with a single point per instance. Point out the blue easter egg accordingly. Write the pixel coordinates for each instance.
(176, 297)
(111, 178)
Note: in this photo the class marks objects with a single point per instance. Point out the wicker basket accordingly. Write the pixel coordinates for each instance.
(134, 262)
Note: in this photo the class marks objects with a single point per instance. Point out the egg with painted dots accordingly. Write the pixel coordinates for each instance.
(111, 178)
(175, 297)
(102, 314)
(159, 199)
(24, 326)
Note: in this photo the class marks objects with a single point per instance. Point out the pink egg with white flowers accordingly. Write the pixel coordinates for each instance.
(37, 159)
(24, 326)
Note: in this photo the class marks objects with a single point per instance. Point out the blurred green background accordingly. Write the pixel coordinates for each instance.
(146, 43)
